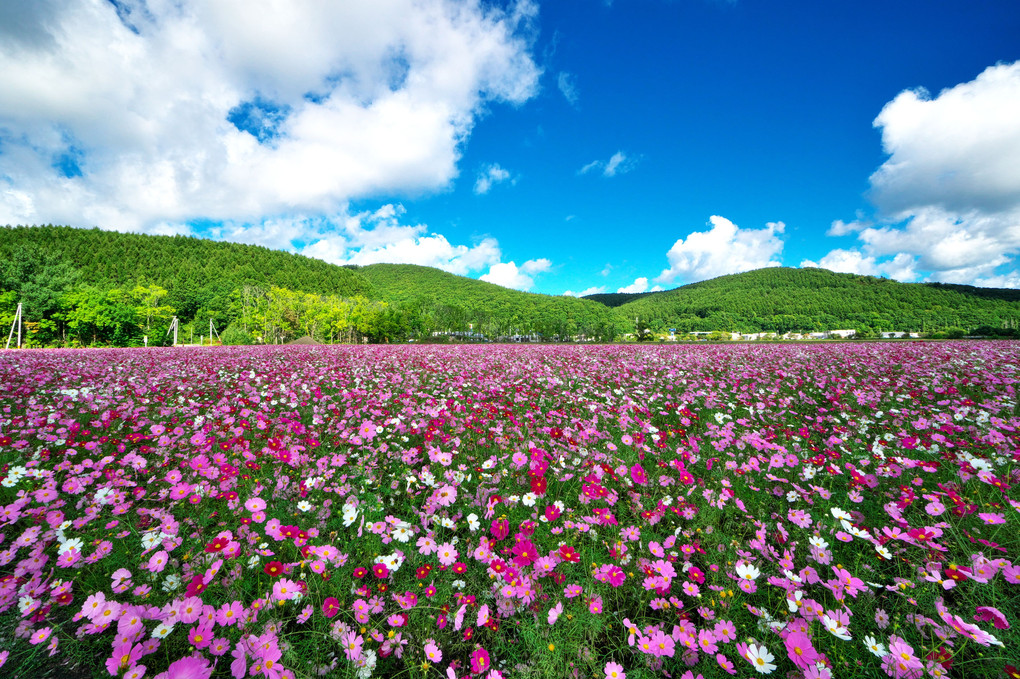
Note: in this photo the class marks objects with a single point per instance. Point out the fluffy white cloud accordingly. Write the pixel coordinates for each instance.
(901, 267)
(618, 163)
(593, 290)
(845, 261)
(957, 151)
(490, 176)
(949, 193)
(509, 275)
(371, 238)
(568, 87)
(534, 266)
(723, 249)
(639, 285)
(143, 114)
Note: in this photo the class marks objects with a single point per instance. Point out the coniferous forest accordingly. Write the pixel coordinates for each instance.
(81, 287)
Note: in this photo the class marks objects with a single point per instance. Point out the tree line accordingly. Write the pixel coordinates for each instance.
(83, 287)
(88, 287)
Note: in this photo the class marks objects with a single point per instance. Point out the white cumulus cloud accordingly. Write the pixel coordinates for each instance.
(509, 275)
(901, 267)
(949, 193)
(138, 115)
(724, 249)
(593, 290)
(639, 285)
(369, 238)
(956, 151)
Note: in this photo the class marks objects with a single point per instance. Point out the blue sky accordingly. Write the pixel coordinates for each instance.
(568, 146)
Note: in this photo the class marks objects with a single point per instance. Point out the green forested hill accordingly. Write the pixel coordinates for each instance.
(197, 273)
(88, 286)
(94, 287)
(615, 299)
(457, 301)
(784, 299)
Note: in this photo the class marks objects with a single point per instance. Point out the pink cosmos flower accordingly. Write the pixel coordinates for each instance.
(229, 614)
(196, 586)
(800, 650)
(662, 644)
(200, 636)
(614, 670)
(524, 553)
(189, 667)
(40, 636)
(993, 615)
(992, 518)
(157, 562)
(330, 607)
(367, 430)
(638, 475)
(68, 558)
(352, 644)
(180, 491)
(479, 660)
(239, 666)
(707, 641)
(426, 545)
(447, 554)
(432, 652)
(361, 610)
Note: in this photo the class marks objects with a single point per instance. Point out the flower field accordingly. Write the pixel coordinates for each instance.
(797, 511)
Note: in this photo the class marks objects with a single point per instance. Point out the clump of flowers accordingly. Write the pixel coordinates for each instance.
(359, 511)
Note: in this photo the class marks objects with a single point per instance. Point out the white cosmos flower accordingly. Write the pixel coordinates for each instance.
(401, 533)
(878, 650)
(746, 571)
(819, 542)
(761, 659)
(349, 515)
(162, 630)
(25, 603)
(529, 499)
(836, 628)
(74, 543)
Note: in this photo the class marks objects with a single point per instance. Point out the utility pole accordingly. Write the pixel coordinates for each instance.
(17, 322)
(173, 327)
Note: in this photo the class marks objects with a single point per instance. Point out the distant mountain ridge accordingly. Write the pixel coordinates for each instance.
(782, 299)
(216, 280)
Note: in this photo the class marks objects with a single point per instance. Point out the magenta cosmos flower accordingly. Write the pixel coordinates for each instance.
(479, 661)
